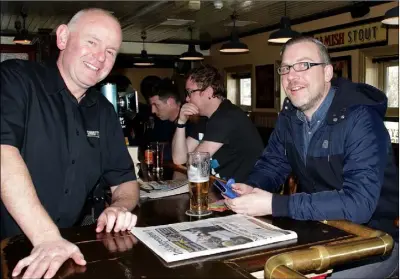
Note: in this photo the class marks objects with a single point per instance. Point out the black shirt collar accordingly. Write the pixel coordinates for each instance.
(55, 84)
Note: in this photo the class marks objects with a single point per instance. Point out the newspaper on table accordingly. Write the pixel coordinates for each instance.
(187, 240)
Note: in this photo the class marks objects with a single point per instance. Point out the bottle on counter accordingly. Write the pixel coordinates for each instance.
(145, 139)
(149, 157)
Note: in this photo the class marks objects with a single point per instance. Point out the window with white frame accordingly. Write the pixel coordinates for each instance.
(245, 92)
(391, 82)
(238, 86)
(383, 73)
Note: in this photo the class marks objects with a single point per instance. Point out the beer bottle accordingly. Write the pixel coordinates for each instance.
(145, 140)
(149, 157)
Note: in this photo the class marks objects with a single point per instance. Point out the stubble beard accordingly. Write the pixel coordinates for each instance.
(311, 103)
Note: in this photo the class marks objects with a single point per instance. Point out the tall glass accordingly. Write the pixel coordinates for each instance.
(198, 171)
(158, 155)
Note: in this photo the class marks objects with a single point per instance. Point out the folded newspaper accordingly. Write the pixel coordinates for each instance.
(187, 240)
(159, 189)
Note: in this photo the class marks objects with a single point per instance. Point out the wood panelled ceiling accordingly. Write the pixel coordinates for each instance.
(209, 23)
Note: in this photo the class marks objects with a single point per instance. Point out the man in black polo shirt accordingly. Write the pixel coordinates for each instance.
(58, 137)
(226, 132)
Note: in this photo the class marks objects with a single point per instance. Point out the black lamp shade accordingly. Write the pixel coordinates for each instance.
(234, 46)
(284, 34)
(143, 60)
(191, 54)
(392, 16)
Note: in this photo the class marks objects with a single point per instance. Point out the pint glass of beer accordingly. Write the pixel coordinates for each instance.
(198, 171)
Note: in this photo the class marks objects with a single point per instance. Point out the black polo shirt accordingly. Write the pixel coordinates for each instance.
(67, 146)
(242, 144)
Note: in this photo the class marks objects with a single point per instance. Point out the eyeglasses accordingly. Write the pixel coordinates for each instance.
(191, 91)
(298, 67)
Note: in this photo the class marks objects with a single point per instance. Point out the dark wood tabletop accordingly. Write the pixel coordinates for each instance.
(121, 255)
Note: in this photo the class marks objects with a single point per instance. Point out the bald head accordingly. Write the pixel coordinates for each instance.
(83, 15)
(88, 45)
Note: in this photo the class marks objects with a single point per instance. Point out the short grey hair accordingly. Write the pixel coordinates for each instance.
(73, 21)
(322, 49)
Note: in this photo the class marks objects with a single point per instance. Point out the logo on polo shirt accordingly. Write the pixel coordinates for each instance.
(93, 134)
(201, 136)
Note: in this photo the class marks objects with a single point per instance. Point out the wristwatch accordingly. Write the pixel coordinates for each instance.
(180, 125)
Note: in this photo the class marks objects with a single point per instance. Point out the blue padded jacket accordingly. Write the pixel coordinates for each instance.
(349, 173)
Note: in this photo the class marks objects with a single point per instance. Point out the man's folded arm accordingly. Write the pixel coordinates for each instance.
(181, 146)
(209, 146)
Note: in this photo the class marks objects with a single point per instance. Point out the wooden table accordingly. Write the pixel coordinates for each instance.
(121, 255)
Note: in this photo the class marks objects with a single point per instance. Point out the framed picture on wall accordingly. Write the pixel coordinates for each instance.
(342, 66)
(265, 87)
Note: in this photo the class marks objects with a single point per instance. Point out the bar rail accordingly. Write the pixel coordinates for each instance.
(366, 243)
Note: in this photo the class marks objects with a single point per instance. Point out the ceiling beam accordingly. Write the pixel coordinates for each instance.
(300, 20)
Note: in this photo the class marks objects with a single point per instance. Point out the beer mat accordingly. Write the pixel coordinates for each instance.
(218, 206)
(166, 185)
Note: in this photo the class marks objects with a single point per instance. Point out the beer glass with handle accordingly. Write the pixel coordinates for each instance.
(198, 171)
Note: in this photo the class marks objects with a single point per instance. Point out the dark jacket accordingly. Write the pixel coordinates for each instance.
(349, 171)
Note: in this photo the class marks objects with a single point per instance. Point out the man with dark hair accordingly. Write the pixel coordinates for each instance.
(331, 135)
(164, 100)
(225, 131)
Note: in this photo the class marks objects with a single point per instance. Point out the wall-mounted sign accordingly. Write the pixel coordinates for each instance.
(357, 36)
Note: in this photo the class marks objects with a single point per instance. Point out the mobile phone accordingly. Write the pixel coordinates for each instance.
(226, 189)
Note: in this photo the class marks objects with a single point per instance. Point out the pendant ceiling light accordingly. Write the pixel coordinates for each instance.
(234, 46)
(144, 59)
(191, 54)
(285, 33)
(22, 37)
(391, 17)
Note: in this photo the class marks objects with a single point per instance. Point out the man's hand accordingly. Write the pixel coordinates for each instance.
(116, 217)
(187, 110)
(256, 203)
(242, 189)
(47, 257)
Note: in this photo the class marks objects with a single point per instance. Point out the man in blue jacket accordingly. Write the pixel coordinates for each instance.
(331, 135)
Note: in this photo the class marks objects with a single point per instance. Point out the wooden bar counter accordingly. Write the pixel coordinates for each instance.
(121, 255)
